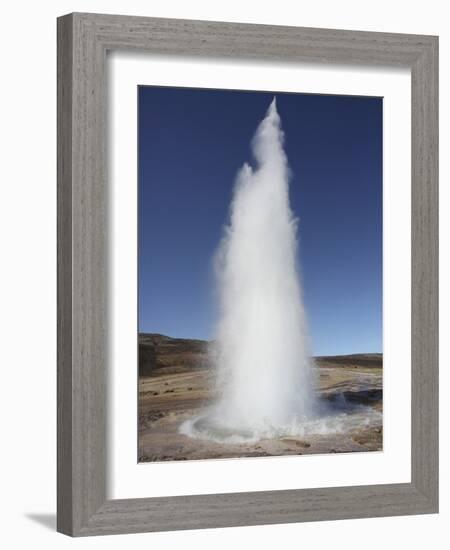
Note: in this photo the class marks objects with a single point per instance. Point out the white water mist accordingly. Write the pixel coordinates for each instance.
(262, 355)
(261, 352)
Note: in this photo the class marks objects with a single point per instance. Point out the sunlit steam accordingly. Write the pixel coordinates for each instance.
(264, 375)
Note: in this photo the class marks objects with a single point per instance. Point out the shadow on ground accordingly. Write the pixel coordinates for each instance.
(46, 520)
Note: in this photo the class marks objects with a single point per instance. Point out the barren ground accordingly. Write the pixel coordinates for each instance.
(176, 383)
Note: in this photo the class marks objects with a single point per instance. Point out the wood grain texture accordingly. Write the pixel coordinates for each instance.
(424, 279)
(64, 298)
(83, 40)
(82, 261)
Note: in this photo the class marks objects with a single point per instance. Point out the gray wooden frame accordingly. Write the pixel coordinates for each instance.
(83, 40)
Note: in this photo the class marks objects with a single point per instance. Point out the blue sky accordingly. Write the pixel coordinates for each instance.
(191, 145)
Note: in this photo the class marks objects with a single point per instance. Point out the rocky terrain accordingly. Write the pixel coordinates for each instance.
(176, 383)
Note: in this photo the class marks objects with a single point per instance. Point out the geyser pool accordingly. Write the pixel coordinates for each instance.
(262, 358)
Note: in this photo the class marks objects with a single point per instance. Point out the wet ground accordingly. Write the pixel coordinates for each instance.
(350, 391)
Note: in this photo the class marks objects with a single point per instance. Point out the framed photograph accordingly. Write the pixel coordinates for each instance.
(247, 274)
(297, 262)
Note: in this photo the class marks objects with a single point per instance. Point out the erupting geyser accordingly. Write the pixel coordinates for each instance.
(261, 351)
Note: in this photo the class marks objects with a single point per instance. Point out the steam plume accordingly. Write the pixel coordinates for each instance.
(262, 344)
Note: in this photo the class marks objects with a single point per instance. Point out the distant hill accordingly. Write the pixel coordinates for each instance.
(367, 360)
(160, 354)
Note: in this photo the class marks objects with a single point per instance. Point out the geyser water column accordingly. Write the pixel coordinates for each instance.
(261, 350)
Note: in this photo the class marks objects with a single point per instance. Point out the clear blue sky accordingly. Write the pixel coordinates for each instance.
(191, 145)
